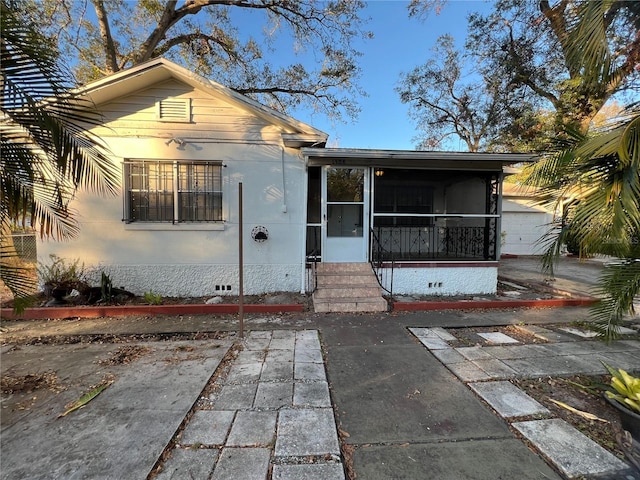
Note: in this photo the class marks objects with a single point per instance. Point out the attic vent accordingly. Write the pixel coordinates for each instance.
(174, 110)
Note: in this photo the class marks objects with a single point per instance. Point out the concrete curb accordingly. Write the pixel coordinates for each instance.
(482, 304)
(40, 313)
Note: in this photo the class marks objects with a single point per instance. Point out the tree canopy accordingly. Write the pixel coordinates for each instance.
(527, 48)
(239, 43)
(444, 100)
(596, 175)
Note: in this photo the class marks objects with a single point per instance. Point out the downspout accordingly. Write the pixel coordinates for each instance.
(284, 186)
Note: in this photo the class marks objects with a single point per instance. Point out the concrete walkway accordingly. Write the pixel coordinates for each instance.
(270, 418)
(406, 409)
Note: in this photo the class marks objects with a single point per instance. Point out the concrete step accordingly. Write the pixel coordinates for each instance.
(347, 291)
(353, 305)
(343, 268)
(347, 287)
(342, 281)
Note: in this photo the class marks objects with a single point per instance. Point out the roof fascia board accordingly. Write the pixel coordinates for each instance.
(344, 153)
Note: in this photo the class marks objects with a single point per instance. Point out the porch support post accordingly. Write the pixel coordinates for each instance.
(491, 223)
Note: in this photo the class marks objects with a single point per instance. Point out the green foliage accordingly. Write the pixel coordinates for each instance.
(445, 103)
(618, 286)
(153, 298)
(534, 62)
(551, 59)
(625, 388)
(597, 174)
(105, 288)
(86, 398)
(215, 39)
(62, 273)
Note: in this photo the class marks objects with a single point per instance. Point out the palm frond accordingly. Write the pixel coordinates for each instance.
(619, 285)
(47, 150)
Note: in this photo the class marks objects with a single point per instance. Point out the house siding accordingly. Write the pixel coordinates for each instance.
(211, 118)
(191, 259)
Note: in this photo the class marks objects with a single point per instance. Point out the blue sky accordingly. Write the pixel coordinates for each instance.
(400, 43)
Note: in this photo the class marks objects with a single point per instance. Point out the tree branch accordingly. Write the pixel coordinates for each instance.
(171, 16)
(107, 38)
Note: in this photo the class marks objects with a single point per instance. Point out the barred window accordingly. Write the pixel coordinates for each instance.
(173, 191)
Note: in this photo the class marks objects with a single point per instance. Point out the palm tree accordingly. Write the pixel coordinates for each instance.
(597, 175)
(45, 153)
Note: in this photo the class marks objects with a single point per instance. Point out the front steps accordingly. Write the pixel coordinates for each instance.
(347, 287)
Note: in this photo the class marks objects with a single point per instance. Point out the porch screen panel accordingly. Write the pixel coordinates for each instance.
(435, 215)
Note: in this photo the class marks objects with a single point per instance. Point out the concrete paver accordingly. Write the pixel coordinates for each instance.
(252, 429)
(304, 432)
(498, 338)
(188, 463)
(311, 395)
(245, 463)
(208, 427)
(265, 414)
(507, 399)
(324, 471)
(236, 397)
(568, 449)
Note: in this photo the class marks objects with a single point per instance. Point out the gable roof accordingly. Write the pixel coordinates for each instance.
(146, 74)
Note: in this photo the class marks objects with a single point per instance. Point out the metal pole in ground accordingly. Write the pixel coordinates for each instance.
(240, 263)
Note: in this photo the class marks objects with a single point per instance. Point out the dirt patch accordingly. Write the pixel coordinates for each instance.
(468, 337)
(30, 382)
(123, 338)
(588, 398)
(125, 355)
(279, 298)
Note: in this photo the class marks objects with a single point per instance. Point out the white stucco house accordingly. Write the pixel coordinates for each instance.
(184, 144)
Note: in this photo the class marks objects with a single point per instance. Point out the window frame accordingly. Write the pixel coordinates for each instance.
(177, 180)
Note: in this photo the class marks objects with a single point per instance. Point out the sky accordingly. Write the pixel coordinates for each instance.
(399, 45)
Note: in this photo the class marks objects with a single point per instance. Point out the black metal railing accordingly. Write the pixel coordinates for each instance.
(393, 243)
(382, 263)
(313, 256)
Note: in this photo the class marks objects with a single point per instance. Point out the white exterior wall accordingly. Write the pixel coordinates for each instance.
(443, 280)
(191, 259)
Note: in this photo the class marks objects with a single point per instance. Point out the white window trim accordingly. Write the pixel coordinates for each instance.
(184, 226)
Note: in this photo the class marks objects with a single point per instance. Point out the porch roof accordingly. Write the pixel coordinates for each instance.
(425, 160)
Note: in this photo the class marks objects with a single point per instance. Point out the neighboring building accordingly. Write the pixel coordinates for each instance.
(524, 223)
(184, 144)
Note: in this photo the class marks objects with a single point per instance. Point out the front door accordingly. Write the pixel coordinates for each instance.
(345, 214)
